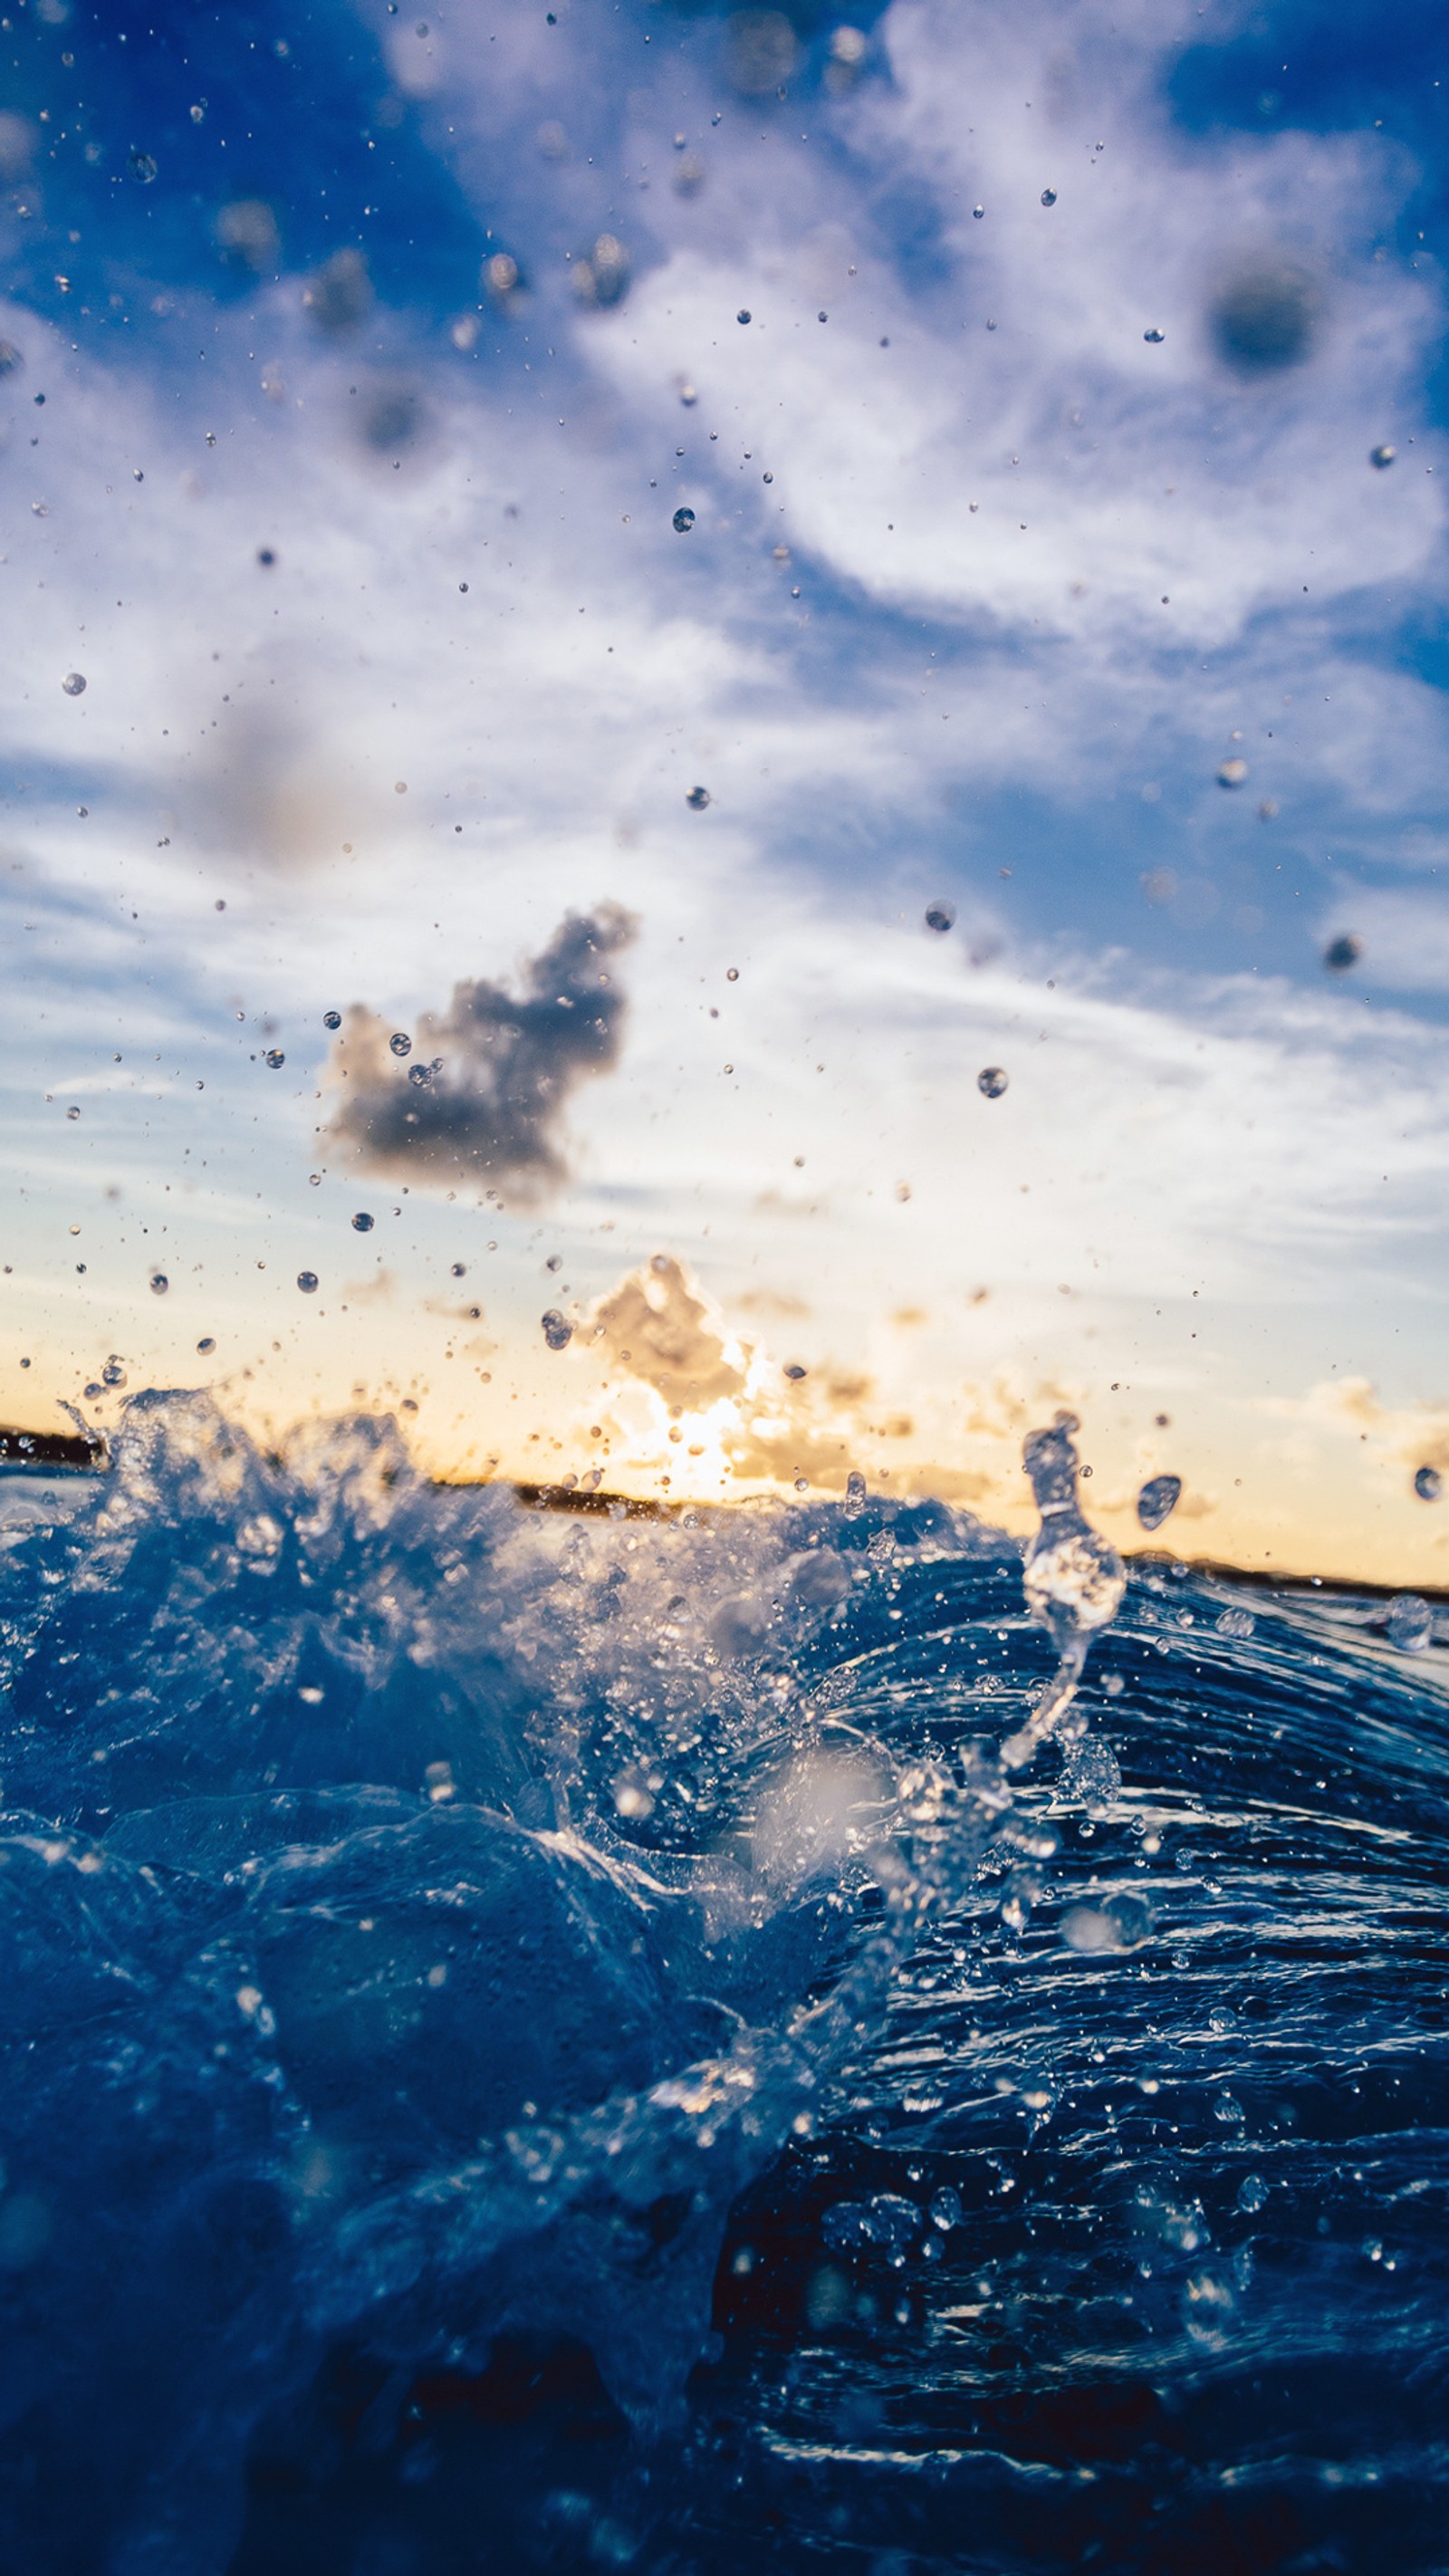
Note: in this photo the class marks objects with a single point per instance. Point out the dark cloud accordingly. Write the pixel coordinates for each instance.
(484, 1086)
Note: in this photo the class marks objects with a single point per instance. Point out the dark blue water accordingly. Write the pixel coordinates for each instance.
(546, 2040)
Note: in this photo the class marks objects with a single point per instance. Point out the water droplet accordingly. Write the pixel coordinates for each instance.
(1157, 1499)
(362, 1223)
(1343, 952)
(732, 974)
(1252, 2193)
(1382, 456)
(991, 1081)
(940, 916)
(1428, 1484)
(1410, 1624)
(275, 1058)
(207, 1344)
(1154, 337)
(854, 1494)
(743, 314)
(307, 1282)
(1235, 1623)
(72, 1113)
(1231, 773)
(159, 1283)
(113, 1374)
(74, 684)
(92, 1391)
(1123, 1923)
(400, 1043)
(332, 1019)
(978, 212)
(459, 1270)
(698, 797)
(683, 521)
(1048, 196)
(142, 167)
(558, 1332)
(793, 1370)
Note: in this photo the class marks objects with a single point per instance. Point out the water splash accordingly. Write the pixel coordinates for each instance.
(442, 1937)
(1073, 1580)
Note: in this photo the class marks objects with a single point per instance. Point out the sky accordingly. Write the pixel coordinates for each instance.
(657, 591)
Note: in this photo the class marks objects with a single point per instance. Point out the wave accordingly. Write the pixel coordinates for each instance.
(744, 1987)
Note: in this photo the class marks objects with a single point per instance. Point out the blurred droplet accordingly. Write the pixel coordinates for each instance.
(142, 166)
(1231, 773)
(338, 295)
(1157, 1499)
(275, 1058)
(992, 1081)
(1264, 319)
(1342, 952)
(1428, 1484)
(1382, 456)
(602, 278)
(307, 1282)
(697, 798)
(683, 521)
(362, 1223)
(1048, 196)
(74, 684)
(247, 234)
(332, 1019)
(159, 1283)
(759, 50)
(855, 1492)
(940, 916)
(744, 314)
(978, 212)
(558, 1332)
(502, 278)
(1154, 337)
(1252, 2193)
(206, 1345)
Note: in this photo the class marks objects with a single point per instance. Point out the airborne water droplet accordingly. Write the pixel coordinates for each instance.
(683, 521)
(159, 1283)
(1410, 1624)
(399, 1043)
(1157, 1499)
(698, 797)
(307, 1281)
(74, 684)
(940, 916)
(558, 1332)
(362, 1223)
(991, 1081)
(1428, 1484)
(332, 1019)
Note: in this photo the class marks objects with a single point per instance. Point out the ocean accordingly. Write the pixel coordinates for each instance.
(543, 2038)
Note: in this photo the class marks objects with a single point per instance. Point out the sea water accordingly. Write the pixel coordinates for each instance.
(591, 2039)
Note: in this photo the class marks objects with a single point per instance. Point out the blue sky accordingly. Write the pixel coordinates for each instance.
(1048, 576)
